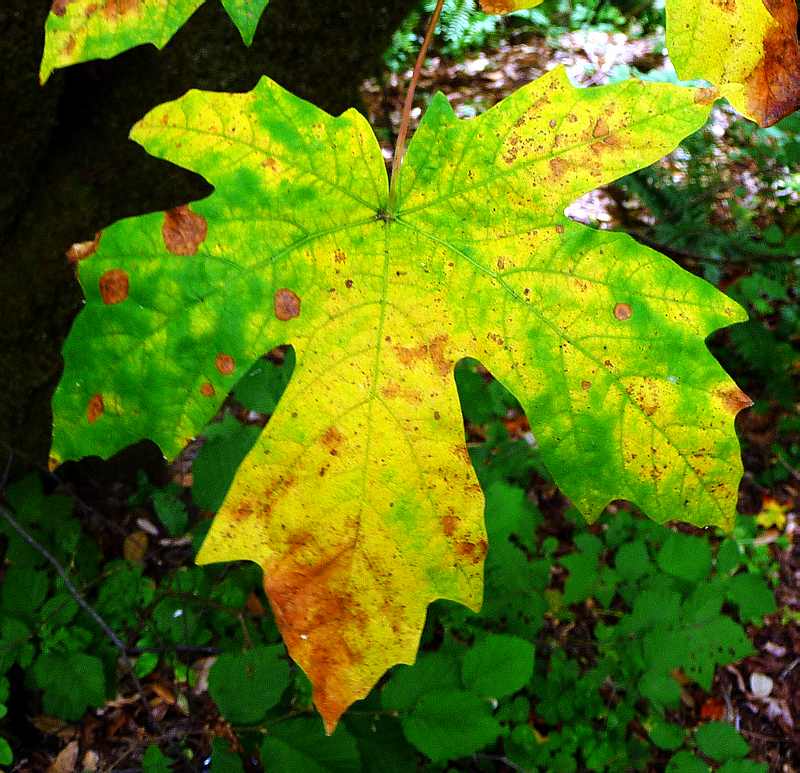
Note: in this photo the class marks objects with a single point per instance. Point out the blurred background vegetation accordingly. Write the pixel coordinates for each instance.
(622, 645)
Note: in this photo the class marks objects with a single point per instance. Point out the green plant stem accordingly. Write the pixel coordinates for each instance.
(405, 118)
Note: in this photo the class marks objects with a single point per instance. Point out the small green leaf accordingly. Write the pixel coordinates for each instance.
(223, 760)
(686, 557)
(262, 386)
(432, 671)
(721, 742)
(155, 761)
(6, 755)
(170, 510)
(753, 597)
(71, 683)
(660, 688)
(447, 724)
(666, 735)
(743, 766)
(686, 762)
(497, 665)
(632, 560)
(246, 686)
(23, 590)
(300, 746)
(227, 444)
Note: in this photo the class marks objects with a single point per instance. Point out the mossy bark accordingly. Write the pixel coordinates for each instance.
(70, 169)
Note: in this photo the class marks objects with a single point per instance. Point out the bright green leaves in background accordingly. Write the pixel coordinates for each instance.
(358, 499)
(80, 30)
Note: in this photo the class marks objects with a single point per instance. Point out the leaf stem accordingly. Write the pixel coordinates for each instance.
(405, 118)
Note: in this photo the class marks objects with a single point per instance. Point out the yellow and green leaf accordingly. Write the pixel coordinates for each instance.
(748, 49)
(81, 30)
(507, 6)
(358, 500)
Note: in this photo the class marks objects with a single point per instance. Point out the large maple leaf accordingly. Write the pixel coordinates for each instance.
(748, 49)
(81, 30)
(359, 500)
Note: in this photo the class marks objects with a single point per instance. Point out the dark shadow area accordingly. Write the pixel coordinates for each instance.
(70, 169)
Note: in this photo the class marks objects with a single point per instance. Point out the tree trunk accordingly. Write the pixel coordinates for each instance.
(70, 169)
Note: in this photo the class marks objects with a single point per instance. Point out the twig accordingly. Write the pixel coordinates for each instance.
(405, 119)
(79, 599)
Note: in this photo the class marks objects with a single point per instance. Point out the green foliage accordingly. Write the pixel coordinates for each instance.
(245, 686)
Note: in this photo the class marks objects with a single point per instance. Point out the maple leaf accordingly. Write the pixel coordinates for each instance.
(747, 48)
(508, 6)
(358, 500)
(80, 30)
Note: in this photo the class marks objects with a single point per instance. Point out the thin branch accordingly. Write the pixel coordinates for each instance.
(78, 596)
(405, 119)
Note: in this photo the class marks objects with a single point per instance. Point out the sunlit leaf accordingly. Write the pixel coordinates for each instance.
(748, 49)
(358, 499)
(80, 30)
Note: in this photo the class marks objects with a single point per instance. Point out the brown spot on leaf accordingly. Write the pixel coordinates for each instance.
(558, 166)
(287, 304)
(82, 250)
(243, 510)
(225, 364)
(472, 551)
(773, 88)
(114, 285)
(734, 399)
(586, 385)
(183, 230)
(435, 351)
(394, 390)
(95, 408)
(59, 7)
(496, 338)
(623, 311)
(449, 524)
(339, 256)
(706, 96)
(207, 390)
(645, 393)
(600, 128)
(332, 439)
(115, 8)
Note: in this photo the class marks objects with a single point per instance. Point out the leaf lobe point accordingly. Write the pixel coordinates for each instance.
(82, 250)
